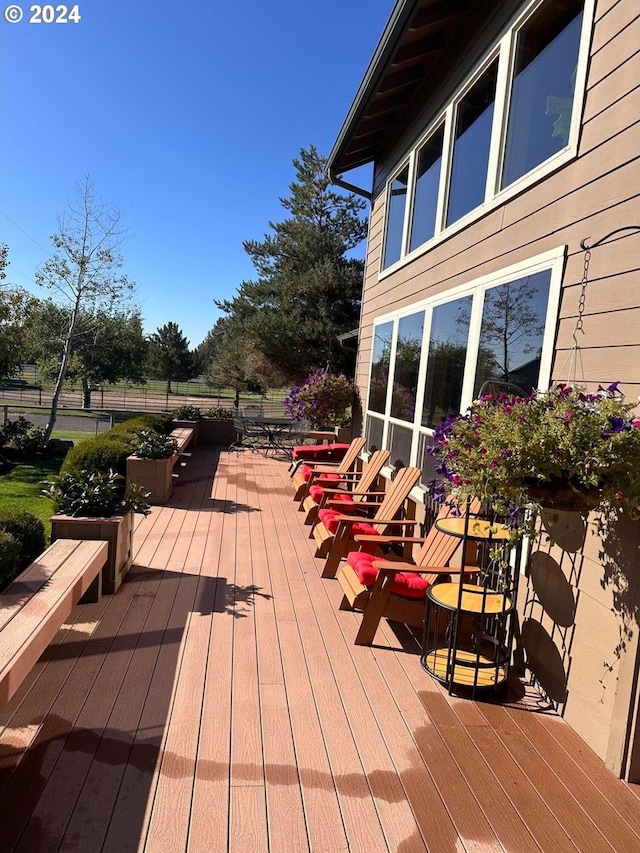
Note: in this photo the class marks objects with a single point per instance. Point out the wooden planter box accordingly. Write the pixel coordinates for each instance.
(343, 435)
(117, 531)
(153, 475)
(221, 432)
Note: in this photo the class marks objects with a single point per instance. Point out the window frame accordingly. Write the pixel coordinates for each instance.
(504, 49)
(553, 260)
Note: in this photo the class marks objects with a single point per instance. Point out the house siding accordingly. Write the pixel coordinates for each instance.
(592, 195)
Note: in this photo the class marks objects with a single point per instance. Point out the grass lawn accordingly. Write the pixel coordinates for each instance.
(21, 487)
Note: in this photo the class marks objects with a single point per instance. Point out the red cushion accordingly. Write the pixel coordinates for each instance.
(316, 452)
(305, 473)
(316, 493)
(330, 519)
(408, 585)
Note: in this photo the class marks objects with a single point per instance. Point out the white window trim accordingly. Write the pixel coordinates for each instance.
(552, 260)
(495, 197)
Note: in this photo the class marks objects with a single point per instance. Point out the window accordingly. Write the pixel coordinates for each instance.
(446, 357)
(499, 329)
(512, 122)
(396, 203)
(474, 120)
(407, 365)
(380, 363)
(542, 94)
(511, 332)
(425, 201)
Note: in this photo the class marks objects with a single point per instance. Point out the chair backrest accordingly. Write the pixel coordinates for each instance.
(253, 411)
(439, 547)
(370, 474)
(349, 459)
(397, 494)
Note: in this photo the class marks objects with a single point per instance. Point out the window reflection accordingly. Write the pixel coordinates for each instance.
(425, 200)
(396, 203)
(512, 331)
(380, 360)
(445, 360)
(407, 365)
(474, 117)
(400, 446)
(543, 87)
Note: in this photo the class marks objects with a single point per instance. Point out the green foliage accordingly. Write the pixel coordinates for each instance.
(95, 494)
(505, 449)
(284, 324)
(168, 355)
(101, 454)
(219, 413)
(154, 445)
(22, 435)
(10, 564)
(27, 529)
(186, 413)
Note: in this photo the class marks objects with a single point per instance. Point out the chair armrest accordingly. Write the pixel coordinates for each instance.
(366, 539)
(392, 565)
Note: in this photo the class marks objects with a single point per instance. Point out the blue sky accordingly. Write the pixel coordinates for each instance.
(187, 116)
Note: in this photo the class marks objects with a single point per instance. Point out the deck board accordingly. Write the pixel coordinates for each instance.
(217, 703)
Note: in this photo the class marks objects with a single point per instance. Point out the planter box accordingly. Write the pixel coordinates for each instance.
(117, 531)
(344, 435)
(220, 432)
(153, 475)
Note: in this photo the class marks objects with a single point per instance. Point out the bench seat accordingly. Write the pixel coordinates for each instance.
(34, 606)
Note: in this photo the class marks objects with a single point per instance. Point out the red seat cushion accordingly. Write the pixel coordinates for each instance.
(319, 452)
(330, 519)
(316, 493)
(305, 473)
(406, 584)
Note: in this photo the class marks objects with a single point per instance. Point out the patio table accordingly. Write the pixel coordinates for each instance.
(274, 431)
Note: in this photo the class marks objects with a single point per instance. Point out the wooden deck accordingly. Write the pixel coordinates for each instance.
(217, 703)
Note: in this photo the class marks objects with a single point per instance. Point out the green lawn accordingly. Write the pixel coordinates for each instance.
(21, 487)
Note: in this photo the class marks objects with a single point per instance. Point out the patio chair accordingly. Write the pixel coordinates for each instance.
(352, 489)
(390, 587)
(334, 531)
(308, 473)
(247, 437)
(253, 411)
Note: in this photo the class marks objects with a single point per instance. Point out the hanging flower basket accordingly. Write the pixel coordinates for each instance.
(559, 496)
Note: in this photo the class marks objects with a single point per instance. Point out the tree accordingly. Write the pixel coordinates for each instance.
(107, 347)
(83, 270)
(168, 356)
(308, 289)
(12, 304)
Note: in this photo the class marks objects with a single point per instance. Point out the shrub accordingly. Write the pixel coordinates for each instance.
(139, 423)
(27, 529)
(94, 494)
(219, 413)
(23, 435)
(106, 452)
(154, 445)
(10, 551)
(187, 413)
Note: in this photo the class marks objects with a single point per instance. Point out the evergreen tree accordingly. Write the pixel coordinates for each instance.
(308, 289)
(169, 357)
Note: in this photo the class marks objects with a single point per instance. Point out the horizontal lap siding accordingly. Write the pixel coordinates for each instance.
(591, 196)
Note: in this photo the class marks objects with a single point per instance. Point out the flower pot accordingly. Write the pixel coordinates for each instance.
(562, 498)
(117, 531)
(216, 431)
(153, 475)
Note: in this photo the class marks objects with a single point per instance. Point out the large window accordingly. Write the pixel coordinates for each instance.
(511, 123)
(543, 87)
(430, 360)
(474, 121)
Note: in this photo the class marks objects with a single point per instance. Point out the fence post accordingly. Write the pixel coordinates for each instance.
(5, 414)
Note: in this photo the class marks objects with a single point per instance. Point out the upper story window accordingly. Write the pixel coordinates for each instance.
(512, 123)
(474, 121)
(543, 89)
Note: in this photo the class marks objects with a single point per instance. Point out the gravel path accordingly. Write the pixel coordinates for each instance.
(73, 423)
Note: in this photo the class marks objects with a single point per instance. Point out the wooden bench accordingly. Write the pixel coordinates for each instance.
(35, 605)
(183, 437)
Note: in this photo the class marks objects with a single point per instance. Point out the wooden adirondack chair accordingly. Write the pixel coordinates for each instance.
(396, 589)
(334, 531)
(307, 474)
(352, 491)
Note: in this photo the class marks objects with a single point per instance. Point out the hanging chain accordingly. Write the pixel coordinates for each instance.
(583, 294)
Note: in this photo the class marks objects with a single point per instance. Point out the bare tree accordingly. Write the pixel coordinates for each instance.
(82, 274)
